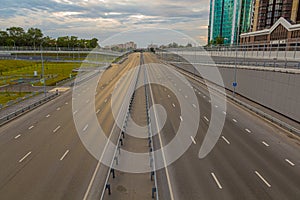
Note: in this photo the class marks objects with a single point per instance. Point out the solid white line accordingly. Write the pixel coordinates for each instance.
(56, 129)
(266, 144)
(234, 120)
(290, 162)
(262, 178)
(173, 105)
(248, 130)
(216, 180)
(162, 147)
(18, 136)
(194, 105)
(48, 116)
(181, 118)
(225, 140)
(31, 127)
(193, 139)
(25, 156)
(206, 118)
(86, 126)
(64, 155)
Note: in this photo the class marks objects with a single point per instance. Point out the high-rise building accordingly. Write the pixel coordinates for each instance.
(227, 17)
(267, 12)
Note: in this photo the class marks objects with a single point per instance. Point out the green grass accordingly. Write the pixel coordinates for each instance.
(13, 70)
(9, 96)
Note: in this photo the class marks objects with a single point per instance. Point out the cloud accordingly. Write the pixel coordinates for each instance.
(88, 18)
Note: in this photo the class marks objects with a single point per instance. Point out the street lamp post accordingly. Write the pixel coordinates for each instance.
(43, 70)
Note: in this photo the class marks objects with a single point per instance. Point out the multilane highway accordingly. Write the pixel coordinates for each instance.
(42, 157)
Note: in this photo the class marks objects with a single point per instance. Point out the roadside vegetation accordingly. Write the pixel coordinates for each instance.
(10, 96)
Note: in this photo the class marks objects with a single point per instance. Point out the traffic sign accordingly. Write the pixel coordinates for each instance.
(234, 84)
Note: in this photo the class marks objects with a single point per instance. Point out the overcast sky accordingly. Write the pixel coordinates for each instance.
(105, 18)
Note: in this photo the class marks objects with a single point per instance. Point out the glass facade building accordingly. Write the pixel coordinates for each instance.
(225, 17)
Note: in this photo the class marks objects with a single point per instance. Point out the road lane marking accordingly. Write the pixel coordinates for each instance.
(266, 144)
(194, 105)
(18, 136)
(186, 96)
(248, 130)
(47, 115)
(216, 180)
(224, 113)
(290, 162)
(98, 111)
(58, 108)
(234, 120)
(225, 140)
(193, 139)
(216, 106)
(31, 127)
(206, 118)
(262, 178)
(66, 103)
(64, 155)
(75, 112)
(86, 126)
(56, 129)
(169, 96)
(24, 157)
(173, 105)
(181, 118)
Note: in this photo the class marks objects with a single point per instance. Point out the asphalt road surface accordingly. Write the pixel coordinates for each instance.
(42, 156)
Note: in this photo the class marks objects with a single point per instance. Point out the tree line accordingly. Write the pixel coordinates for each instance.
(34, 37)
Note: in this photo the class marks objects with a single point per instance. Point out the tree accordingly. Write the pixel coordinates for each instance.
(34, 36)
(3, 38)
(94, 43)
(17, 34)
(219, 40)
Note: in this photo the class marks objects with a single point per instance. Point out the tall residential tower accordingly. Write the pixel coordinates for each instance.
(227, 16)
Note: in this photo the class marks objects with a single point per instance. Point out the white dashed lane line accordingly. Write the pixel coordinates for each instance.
(58, 108)
(31, 127)
(181, 118)
(266, 144)
(194, 105)
(234, 120)
(290, 162)
(16, 137)
(56, 129)
(263, 179)
(248, 130)
(193, 139)
(85, 128)
(24, 157)
(173, 105)
(225, 139)
(65, 154)
(216, 180)
(224, 113)
(74, 113)
(206, 118)
(47, 116)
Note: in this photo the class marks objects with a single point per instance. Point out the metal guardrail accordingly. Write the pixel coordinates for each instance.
(120, 139)
(249, 107)
(25, 109)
